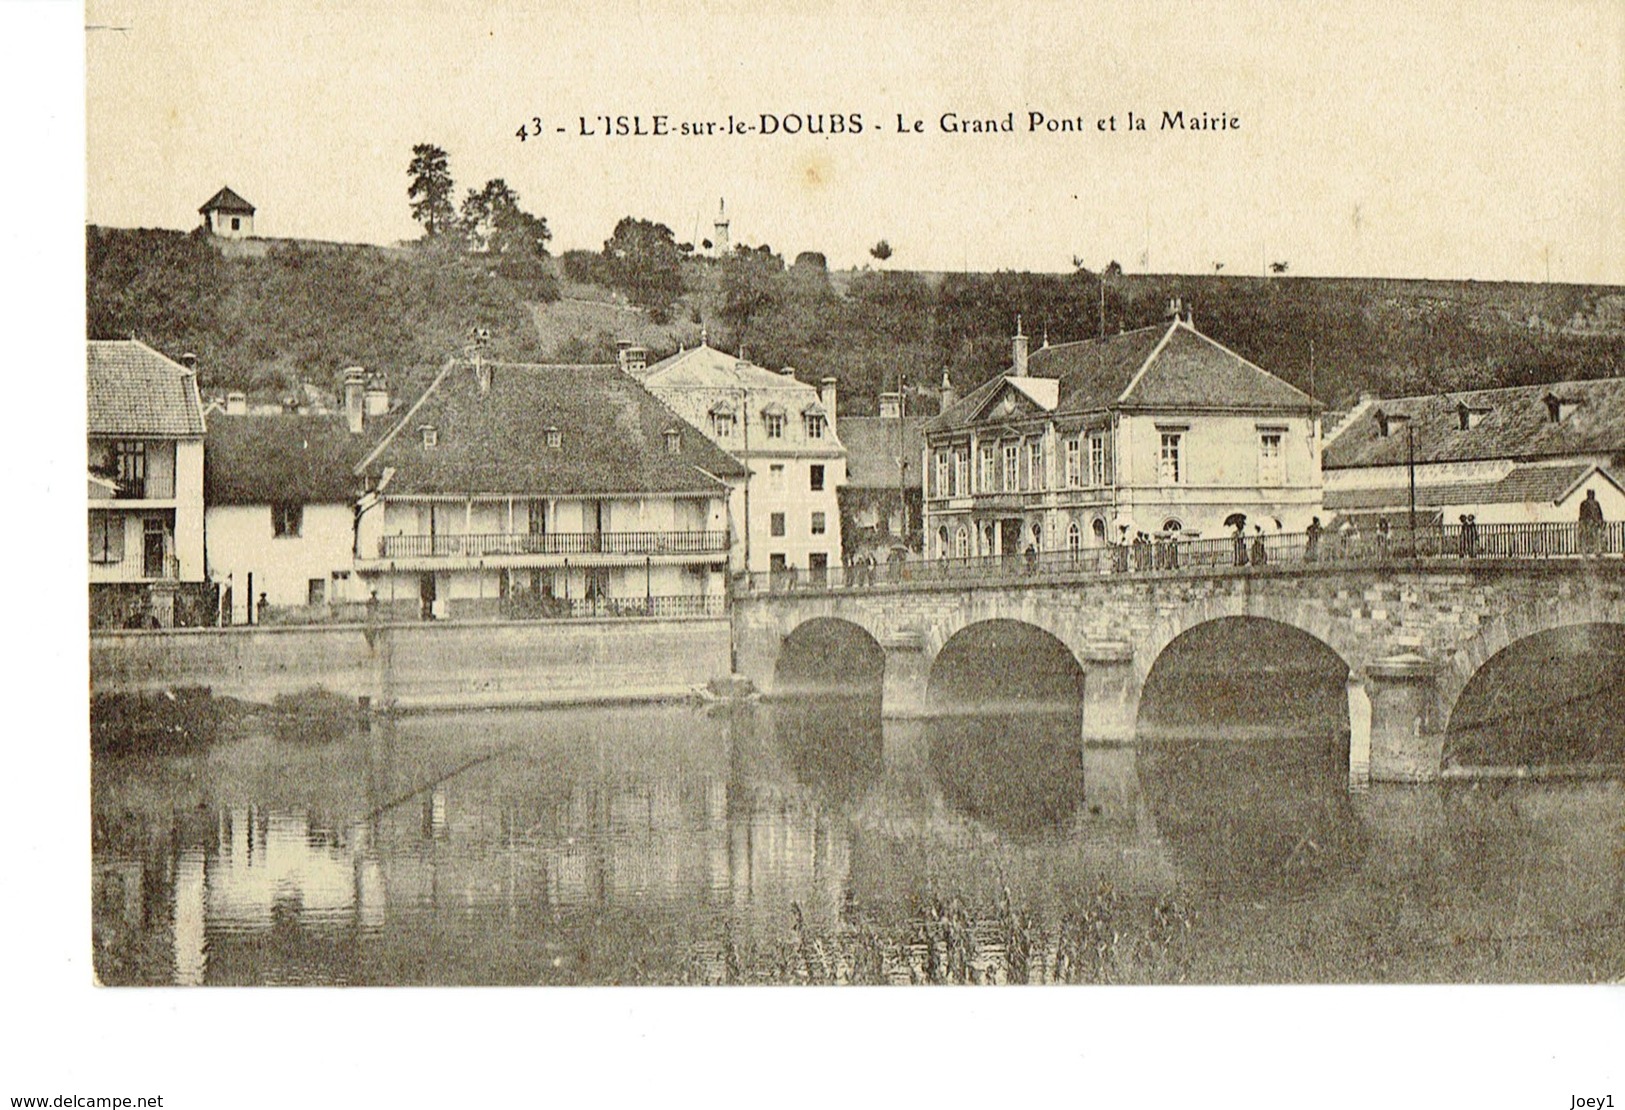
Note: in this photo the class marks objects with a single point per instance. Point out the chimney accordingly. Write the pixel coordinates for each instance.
(891, 405)
(1176, 309)
(189, 360)
(236, 403)
(376, 399)
(826, 397)
(355, 386)
(949, 394)
(1019, 351)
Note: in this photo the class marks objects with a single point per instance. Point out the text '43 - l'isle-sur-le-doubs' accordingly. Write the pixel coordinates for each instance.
(662, 125)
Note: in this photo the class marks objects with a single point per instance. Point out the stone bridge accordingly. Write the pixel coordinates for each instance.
(1412, 634)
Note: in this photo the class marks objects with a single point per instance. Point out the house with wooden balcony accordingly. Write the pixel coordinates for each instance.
(144, 482)
(544, 490)
(1161, 431)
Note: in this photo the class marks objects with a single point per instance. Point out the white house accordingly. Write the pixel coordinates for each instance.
(228, 215)
(536, 490)
(144, 482)
(783, 430)
(1158, 430)
(1525, 454)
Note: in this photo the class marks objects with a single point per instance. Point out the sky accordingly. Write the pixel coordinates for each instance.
(1450, 140)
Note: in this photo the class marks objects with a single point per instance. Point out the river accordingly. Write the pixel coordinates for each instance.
(811, 841)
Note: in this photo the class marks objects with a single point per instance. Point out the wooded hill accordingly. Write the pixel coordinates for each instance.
(290, 311)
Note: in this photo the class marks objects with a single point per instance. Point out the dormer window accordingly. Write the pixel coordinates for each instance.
(814, 420)
(723, 421)
(554, 438)
(430, 434)
(674, 441)
(1469, 418)
(773, 421)
(1560, 408)
(1382, 423)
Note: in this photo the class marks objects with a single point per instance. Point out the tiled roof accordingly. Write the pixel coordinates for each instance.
(227, 201)
(705, 366)
(1169, 366)
(262, 460)
(133, 390)
(1190, 371)
(611, 428)
(1514, 423)
(1524, 485)
(873, 445)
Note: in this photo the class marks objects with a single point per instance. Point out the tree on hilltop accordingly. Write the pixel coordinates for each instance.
(430, 191)
(642, 260)
(881, 250)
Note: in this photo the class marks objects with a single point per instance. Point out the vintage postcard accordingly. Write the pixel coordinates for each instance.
(629, 495)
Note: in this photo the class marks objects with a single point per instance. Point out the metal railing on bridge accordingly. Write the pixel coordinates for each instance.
(489, 544)
(1169, 555)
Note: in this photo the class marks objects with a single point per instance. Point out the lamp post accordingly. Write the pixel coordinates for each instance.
(1410, 470)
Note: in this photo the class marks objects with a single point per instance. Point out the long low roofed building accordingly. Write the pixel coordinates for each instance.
(1518, 455)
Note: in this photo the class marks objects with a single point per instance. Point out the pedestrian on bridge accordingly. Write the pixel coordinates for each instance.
(1591, 524)
(1260, 556)
(1311, 541)
(1240, 542)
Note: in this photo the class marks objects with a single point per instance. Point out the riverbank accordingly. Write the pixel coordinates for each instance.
(412, 667)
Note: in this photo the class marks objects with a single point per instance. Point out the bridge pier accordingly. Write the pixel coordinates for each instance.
(1111, 695)
(908, 670)
(1405, 743)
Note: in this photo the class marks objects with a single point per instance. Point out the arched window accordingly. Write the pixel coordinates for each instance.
(942, 543)
(1074, 539)
(1098, 528)
(1038, 535)
(1172, 525)
(987, 539)
(962, 543)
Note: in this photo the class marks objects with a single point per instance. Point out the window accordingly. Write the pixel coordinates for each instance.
(1269, 457)
(316, 592)
(1074, 464)
(1097, 528)
(962, 543)
(674, 441)
(942, 543)
(776, 563)
(130, 460)
(430, 434)
(1097, 459)
(1172, 525)
(962, 472)
(942, 474)
(775, 524)
(815, 424)
(236, 223)
(106, 538)
(984, 481)
(775, 477)
(555, 438)
(1035, 464)
(286, 520)
(818, 524)
(723, 424)
(815, 477)
(1168, 460)
(1074, 538)
(1012, 461)
(774, 422)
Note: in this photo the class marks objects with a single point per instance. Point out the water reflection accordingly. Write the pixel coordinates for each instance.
(811, 842)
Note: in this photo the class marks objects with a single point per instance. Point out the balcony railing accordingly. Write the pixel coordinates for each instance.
(1432, 543)
(480, 545)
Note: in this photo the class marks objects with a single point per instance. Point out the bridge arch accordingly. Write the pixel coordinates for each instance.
(830, 656)
(1003, 665)
(1247, 671)
(1555, 697)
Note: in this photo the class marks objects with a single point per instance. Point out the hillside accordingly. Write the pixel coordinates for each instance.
(263, 319)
